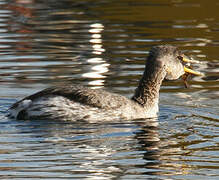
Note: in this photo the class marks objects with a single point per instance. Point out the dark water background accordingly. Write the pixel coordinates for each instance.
(103, 44)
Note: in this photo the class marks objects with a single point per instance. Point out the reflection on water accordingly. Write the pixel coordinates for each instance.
(104, 44)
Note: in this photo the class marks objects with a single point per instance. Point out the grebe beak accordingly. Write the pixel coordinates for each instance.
(187, 64)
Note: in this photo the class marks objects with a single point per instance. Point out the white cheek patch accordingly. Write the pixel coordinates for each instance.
(174, 73)
(169, 74)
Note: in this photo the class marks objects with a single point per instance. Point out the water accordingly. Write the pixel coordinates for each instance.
(103, 44)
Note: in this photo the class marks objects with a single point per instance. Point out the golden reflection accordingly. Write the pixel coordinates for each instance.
(96, 38)
(99, 66)
(96, 72)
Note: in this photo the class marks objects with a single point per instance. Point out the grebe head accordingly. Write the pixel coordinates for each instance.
(169, 58)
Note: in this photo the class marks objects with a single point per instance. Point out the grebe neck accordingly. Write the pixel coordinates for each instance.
(147, 92)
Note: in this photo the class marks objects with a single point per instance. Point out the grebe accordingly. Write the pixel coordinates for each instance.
(75, 102)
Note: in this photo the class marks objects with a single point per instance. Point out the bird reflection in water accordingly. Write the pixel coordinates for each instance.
(161, 154)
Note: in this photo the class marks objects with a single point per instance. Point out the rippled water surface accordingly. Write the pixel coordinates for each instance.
(104, 44)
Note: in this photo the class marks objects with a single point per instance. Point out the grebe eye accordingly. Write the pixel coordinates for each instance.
(180, 58)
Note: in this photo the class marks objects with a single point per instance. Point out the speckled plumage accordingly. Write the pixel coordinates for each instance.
(78, 103)
(73, 102)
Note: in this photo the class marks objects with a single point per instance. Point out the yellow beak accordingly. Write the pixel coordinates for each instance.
(192, 71)
(186, 69)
